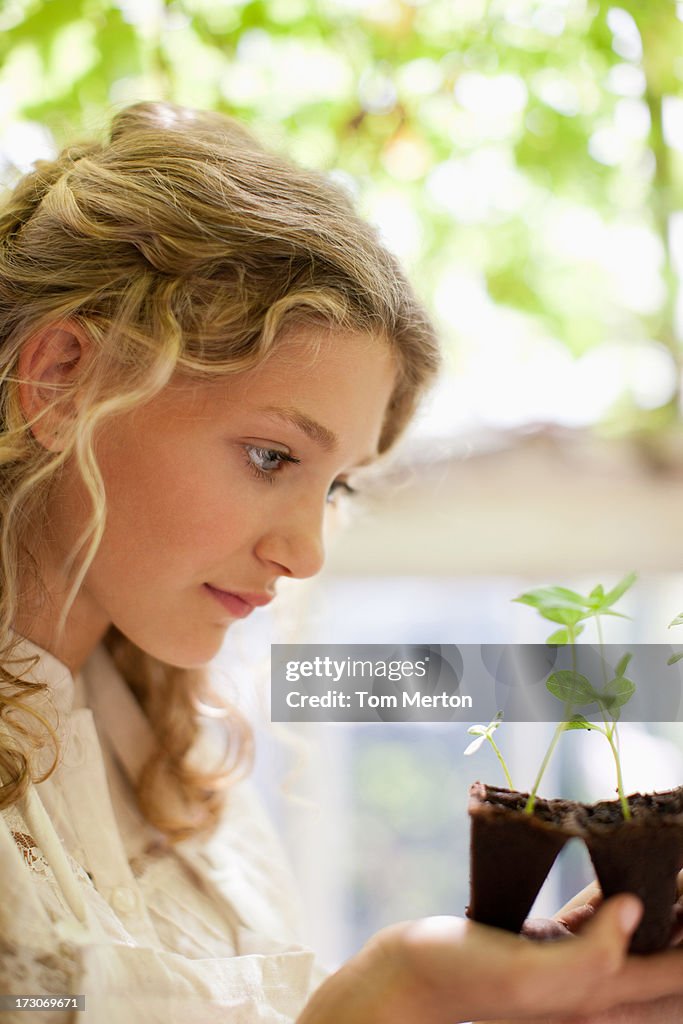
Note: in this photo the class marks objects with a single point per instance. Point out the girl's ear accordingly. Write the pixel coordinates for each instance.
(49, 363)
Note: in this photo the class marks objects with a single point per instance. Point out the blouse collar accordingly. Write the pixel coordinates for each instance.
(100, 687)
(66, 690)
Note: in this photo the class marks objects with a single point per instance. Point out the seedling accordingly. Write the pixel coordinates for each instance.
(570, 611)
(484, 733)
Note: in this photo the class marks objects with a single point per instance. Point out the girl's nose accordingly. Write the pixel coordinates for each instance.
(295, 543)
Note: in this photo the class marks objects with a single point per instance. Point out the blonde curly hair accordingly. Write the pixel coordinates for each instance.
(178, 244)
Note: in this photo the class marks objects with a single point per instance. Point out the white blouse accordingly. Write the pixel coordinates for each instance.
(93, 903)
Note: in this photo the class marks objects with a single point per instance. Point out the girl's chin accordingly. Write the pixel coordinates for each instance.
(198, 658)
(194, 655)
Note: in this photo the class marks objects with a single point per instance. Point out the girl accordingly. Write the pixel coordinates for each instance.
(201, 346)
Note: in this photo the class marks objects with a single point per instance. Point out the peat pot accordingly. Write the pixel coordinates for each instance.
(512, 852)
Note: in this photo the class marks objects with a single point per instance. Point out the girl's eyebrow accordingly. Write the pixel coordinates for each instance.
(321, 435)
(311, 428)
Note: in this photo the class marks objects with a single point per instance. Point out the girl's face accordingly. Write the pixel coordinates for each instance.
(223, 487)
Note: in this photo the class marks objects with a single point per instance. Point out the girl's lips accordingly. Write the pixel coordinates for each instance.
(237, 606)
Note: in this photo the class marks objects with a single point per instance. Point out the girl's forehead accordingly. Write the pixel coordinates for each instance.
(336, 396)
(304, 360)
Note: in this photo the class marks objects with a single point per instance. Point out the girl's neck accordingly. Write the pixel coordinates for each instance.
(72, 648)
(37, 618)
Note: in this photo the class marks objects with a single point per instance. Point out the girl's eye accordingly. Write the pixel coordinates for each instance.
(265, 462)
(340, 488)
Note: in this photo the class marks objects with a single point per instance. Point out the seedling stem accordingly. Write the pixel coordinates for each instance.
(560, 605)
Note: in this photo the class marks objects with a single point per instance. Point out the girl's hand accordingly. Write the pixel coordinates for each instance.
(442, 969)
(667, 1010)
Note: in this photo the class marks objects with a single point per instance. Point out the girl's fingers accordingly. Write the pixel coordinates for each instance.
(580, 974)
(595, 969)
(543, 929)
(605, 937)
(574, 920)
(590, 896)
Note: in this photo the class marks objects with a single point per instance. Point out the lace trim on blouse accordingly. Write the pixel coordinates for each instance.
(31, 852)
(28, 847)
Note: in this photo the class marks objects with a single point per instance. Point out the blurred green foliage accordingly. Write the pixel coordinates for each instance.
(408, 843)
(531, 149)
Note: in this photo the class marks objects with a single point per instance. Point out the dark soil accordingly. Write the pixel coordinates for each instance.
(643, 806)
(555, 812)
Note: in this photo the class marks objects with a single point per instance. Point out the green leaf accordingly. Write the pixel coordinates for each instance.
(571, 687)
(558, 604)
(559, 594)
(560, 636)
(674, 658)
(622, 664)
(578, 722)
(622, 586)
(556, 597)
(565, 616)
(617, 692)
(596, 598)
(678, 621)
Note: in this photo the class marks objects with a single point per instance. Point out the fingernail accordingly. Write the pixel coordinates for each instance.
(630, 913)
